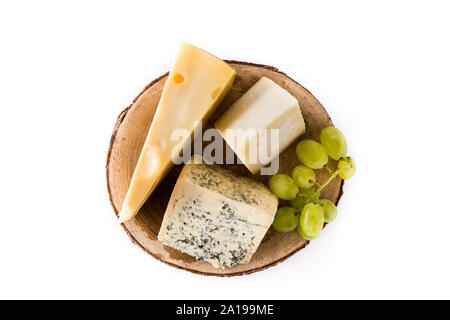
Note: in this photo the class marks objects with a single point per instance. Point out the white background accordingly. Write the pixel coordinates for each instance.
(67, 69)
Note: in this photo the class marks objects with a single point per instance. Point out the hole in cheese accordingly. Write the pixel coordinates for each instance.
(216, 92)
(178, 78)
(153, 156)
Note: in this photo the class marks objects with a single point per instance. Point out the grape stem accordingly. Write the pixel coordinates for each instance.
(333, 175)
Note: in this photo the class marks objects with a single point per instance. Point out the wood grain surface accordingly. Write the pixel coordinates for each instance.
(128, 139)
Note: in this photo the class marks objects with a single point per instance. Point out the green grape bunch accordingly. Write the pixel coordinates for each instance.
(308, 213)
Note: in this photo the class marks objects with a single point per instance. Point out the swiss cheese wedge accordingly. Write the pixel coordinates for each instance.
(197, 83)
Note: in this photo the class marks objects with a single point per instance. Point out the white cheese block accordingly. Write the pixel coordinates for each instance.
(197, 83)
(264, 106)
(217, 216)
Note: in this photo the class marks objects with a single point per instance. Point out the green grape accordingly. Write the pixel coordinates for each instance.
(334, 142)
(311, 154)
(285, 219)
(329, 209)
(303, 195)
(303, 176)
(311, 220)
(299, 202)
(308, 192)
(304, 236)
(283, 186)
(349, 167)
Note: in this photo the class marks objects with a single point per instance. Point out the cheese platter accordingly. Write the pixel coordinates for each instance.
(169, 210)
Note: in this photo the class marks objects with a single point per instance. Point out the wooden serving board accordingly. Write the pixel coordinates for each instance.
(128, 139)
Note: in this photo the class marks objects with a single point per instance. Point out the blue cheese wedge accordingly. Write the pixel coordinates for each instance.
(217, 216)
